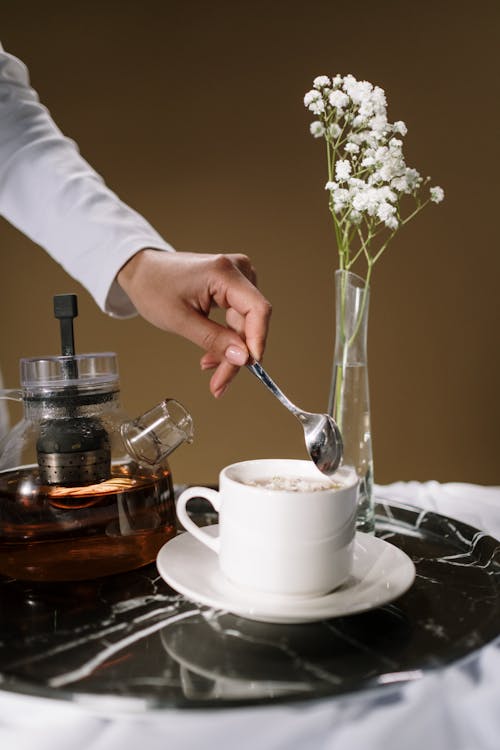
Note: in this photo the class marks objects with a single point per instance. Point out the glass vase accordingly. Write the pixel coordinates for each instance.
(349, 401)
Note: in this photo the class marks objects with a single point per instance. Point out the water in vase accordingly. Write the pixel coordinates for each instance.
(351, 410)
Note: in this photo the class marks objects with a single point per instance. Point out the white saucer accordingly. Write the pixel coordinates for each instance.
(381, 572)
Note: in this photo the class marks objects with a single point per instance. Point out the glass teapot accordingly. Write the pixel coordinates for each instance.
(85, 491)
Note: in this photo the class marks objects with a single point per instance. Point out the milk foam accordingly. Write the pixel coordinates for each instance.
(293, 484)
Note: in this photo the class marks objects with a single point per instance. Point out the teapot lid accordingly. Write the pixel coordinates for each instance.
(71, 372)
(82, 371)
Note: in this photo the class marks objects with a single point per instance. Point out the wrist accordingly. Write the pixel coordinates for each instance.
(129, 271)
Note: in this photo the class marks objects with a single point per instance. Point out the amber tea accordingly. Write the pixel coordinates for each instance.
(56, 533)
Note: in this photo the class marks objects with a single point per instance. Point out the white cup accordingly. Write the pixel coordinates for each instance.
(280, 541)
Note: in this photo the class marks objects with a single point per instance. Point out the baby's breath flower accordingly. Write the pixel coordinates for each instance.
(355, 216)
(334, 130)
(368, 177)
(321, 82)
(338, 99)
(400, 127)
(385, 211)
(352, 148)
(342, 170)
(395, 143)
(378, 123)
(366, 200)
(317, 129)
(355, 184)
(391, 223)
(400, 184)
(340, 198)
(354, 138)
(358, 121)
(379, 100)
(413, 179)
(314, 102)
(386, 194)
(437, 194)
(359, 91)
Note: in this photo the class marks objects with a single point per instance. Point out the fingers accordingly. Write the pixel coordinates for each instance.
(224, 373)
(247, 311)
(244, 264)
(222, 377)
(251, 327)
(176, 291)
(234, 291)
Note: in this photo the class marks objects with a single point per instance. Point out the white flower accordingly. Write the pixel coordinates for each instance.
(317, 129)
(355, 216)
(366, 200)
(372, 139)
(366, 109)
(385, 211)
(341, 198)
(400, 184)
(391, 222)
(355, 184)
(379, 100)
(378, 124)
(381, 154)
(437, 194)
(413, 178)
(359, 91)
(386, 194)
(342, 170)
(338, 99)
(352, 148)
(400, 127)
(321, 82)
(370, 177)
(314, 102)
(354, 138)
(395, 143)
(334, 130)
(391, 167)
(358, 121)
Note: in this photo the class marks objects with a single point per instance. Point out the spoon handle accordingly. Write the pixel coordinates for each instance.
(264, 378)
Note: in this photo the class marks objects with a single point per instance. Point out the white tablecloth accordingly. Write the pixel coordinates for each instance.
(457, 708)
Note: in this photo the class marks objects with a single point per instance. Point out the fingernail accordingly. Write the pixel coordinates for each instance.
(220, 391)
(208, 365)
(236, 356)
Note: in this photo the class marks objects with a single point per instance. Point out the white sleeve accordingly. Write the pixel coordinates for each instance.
(50, 193)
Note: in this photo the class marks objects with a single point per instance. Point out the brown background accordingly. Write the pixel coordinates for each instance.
(192, 111)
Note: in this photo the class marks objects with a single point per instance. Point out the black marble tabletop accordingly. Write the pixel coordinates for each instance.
(133, 640)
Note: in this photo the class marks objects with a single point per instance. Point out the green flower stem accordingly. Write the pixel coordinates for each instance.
(335, 399)
(415, 212)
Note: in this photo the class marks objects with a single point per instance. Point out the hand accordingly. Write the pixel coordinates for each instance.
(176, 291)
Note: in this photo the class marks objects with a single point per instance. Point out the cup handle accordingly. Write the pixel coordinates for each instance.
(213, 498)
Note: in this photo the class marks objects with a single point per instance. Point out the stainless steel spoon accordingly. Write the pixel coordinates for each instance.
(322, 435)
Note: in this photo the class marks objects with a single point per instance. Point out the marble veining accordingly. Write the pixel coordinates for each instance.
(132, 640)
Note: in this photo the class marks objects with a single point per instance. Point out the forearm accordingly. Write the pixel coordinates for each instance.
(50, 193)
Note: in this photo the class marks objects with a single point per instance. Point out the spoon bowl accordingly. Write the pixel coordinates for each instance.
(321, 432)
